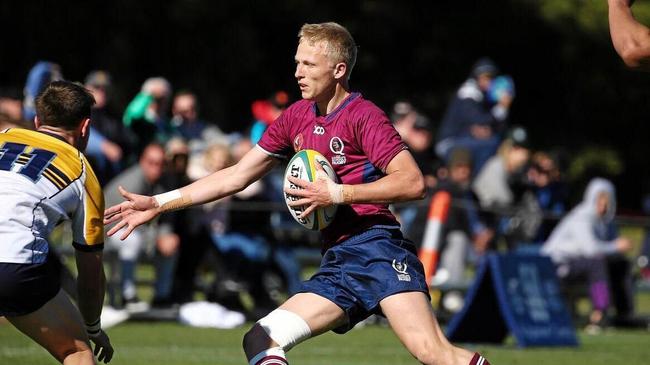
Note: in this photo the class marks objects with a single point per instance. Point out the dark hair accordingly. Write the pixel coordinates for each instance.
(64, 104)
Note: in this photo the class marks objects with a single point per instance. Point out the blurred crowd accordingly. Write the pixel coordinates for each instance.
(506, 196)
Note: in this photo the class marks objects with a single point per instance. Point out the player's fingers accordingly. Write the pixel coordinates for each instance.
(308, 211)
(299, 202)
(109, 355)
(115, 209)
(100, 355)
(296, 192)
(127, 195)
(298, 182)
(113, 218)
(117, 227)
(128, 231)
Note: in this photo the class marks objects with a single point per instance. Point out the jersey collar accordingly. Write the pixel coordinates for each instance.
(338, 109)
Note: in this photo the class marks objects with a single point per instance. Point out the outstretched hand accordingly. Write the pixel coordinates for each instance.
(136, 210)
(322, 192)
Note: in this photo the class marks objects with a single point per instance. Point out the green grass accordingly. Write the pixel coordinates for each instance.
(169, 343)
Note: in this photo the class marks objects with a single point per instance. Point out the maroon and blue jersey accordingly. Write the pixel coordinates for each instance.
(357, 138)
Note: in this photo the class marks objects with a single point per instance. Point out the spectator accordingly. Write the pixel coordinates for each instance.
(11, 106)
(266, 112)
(472, 120)
(146, 114)
(631, 39)
(109, 139)
(586, 245)
(466, 235)
(39, 76)
(549, 190)
(145, 177)
(492, 182)
(190, 126)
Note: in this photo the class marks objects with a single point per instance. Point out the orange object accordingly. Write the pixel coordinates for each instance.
(429, 252)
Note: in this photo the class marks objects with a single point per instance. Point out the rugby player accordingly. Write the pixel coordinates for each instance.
(46, 179)
(368, 266)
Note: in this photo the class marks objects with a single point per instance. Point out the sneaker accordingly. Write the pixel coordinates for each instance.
(135, 305)
(111, 316)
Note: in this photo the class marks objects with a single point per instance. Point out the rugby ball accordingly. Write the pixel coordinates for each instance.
(303, 166)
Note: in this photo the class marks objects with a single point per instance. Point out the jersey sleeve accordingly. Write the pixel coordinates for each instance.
(88, 225)
(379, 139)
(276, 140)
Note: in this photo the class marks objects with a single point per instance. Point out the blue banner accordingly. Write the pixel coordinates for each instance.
(517, 294)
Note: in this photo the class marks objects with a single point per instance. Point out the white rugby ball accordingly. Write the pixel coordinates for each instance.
(303, 166)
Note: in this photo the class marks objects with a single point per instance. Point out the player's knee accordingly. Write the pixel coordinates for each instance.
(280, 328)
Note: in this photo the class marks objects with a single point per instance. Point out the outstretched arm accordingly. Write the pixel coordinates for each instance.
(631, 39)
(403, 181)
(139, 209)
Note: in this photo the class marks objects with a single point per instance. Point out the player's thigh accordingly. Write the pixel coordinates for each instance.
(57, 326)
(412, 319)
(320, 313)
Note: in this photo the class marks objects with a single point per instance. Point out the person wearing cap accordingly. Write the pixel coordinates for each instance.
(630, 38)
(472, 120)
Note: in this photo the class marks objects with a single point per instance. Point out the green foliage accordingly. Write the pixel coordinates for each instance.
(603, 160)
(588, 16)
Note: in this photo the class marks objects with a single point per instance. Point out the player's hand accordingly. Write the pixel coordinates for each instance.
(323, 192)
(136, 210)
(103, 348)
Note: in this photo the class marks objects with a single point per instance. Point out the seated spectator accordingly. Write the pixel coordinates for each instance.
(146, 115)
(188, 125)
(109, 141)
(144, 178)
(586, 246)
(472, 120)
(465, 234)
(493, 184)
(549, 190)
(11, 106)
(266, 112)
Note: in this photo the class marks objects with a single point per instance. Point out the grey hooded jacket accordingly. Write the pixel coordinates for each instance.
(582, 233)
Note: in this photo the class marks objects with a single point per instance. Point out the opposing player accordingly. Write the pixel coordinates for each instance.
(367, 266)
(46, 179)
(631, 39)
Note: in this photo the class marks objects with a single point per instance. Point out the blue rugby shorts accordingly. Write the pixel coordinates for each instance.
(359, 272)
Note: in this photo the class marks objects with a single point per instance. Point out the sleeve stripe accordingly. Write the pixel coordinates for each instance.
(88, 248)
(271, 154)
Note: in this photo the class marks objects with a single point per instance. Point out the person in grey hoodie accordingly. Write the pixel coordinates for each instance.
(583, 244)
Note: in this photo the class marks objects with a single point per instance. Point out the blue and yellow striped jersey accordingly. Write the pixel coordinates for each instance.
(44, 181)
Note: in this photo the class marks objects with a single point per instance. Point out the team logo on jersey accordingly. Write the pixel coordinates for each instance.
(297, 142)
(319, 130)
(401, 267)
(336, 146)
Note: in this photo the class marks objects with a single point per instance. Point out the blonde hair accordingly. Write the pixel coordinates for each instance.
(340, 46)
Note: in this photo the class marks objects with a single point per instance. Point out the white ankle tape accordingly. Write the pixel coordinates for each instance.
(286, 328)
(274, 351)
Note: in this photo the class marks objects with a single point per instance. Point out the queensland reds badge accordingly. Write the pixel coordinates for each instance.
(297, 142)
(336, 146)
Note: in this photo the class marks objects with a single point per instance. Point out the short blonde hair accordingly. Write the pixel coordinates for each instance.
(340, 45)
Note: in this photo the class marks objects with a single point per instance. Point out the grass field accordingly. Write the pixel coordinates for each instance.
(170, 343)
